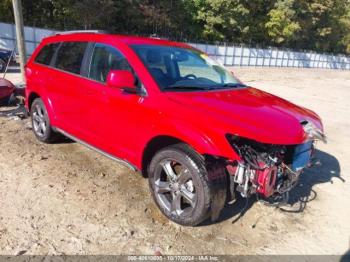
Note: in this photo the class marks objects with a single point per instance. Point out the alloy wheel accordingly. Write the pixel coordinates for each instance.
(174, 187)
(39, 121)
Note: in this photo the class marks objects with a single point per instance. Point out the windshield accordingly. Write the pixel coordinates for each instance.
(176, 68)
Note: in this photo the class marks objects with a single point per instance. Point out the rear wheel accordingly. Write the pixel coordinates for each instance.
(41, 122)
(179, 186)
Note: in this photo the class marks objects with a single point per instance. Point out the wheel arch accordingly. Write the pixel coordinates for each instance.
(153, 146)
(31, 97)
(198, 143)
(34, 95)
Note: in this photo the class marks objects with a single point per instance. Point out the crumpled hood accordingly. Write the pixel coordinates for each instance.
(248, 112)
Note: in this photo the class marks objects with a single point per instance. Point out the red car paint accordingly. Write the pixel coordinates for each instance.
(6, 88)
(267, 180)
(123, 124)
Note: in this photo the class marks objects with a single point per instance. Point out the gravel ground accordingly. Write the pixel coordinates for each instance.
(66, 199)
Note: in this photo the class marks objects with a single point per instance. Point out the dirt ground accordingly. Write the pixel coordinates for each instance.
(66, 199)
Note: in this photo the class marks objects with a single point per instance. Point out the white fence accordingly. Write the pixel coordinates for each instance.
(229, 55)
(32, 36)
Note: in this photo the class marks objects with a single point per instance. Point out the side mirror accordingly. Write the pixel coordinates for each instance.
(122, 79)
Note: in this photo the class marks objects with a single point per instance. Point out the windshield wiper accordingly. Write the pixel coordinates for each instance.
(192, 87)
(175, 87)
(233, 85)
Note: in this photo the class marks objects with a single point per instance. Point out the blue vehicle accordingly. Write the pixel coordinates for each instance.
(5, 56)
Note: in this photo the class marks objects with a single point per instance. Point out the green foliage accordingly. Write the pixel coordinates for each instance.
(219, 18)
(6, 12)
(282, 25)
(344, 27)
(320, 25)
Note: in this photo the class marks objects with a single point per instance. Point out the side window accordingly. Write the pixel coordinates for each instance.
(70, 56)
(46, 53)
(104, 59)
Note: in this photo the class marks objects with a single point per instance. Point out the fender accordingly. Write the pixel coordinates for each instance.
(206, 142)
(47, 103)
(39, 89)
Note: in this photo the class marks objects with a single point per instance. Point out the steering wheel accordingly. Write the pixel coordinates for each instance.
(190, 76)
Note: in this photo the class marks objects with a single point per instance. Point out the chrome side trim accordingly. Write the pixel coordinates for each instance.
(121, 161)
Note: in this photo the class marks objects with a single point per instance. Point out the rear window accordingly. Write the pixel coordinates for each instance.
(70, 56)
(46, 53)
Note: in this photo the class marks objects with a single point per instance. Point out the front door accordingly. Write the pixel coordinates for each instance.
(111, 110)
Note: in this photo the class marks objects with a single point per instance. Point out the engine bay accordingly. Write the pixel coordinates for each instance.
(267, 170)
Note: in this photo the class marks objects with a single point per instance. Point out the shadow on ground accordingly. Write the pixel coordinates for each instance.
(298, 197)
(345, 257)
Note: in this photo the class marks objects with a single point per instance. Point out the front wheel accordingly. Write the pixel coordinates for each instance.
(179, 186)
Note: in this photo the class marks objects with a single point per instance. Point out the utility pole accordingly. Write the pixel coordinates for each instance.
(17, 10)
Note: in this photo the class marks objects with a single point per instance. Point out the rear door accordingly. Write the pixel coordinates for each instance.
(66, 88)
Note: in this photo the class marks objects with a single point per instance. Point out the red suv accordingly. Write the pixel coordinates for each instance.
(169, 111)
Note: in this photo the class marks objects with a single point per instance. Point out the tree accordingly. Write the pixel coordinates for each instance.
(6, 12)
(220, 19)
(93, 12)
(344, 27)
(320, 25)
(282, 25)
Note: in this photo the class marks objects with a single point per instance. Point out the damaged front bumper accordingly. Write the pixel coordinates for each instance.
(264, 169)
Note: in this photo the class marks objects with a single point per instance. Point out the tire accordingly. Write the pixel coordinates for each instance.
(179, 185)
(2, 66)
(41, 123)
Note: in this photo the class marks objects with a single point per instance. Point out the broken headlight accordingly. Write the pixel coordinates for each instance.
(313, 132)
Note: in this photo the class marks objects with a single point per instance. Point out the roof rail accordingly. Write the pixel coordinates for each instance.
(82, 32)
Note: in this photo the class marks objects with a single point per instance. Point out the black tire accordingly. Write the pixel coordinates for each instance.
(40, 119)
(2, 66)
(196, 189)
